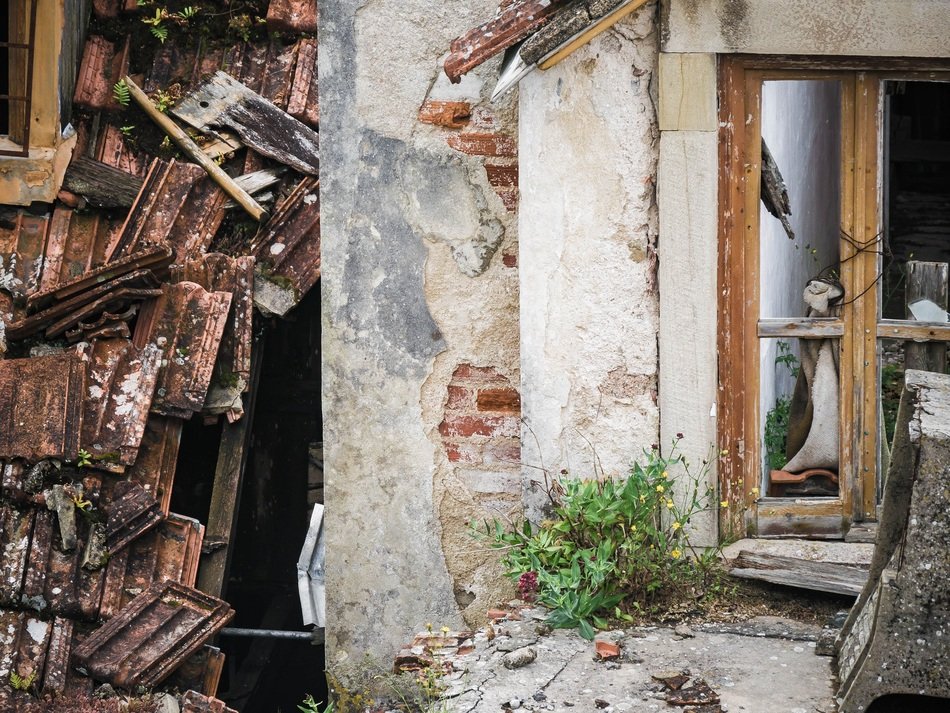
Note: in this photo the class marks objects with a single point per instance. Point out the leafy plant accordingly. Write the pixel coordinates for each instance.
(612, 546)
(157, 25)
(309, 705)
(776, 419)
(22, 683)
(85, 458)
(121, 93)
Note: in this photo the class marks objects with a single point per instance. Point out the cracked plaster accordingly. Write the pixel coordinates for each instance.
(588, 229)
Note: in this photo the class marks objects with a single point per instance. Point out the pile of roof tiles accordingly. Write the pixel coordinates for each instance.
(123, 313)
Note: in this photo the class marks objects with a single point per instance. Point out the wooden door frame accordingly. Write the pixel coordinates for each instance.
(740, 79)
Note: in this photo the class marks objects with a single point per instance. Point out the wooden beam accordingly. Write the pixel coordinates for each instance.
(581, 39)
(803, 574)
(804, 328)
(816, 517)
(913, 331)
(226, 491)
(194, 152)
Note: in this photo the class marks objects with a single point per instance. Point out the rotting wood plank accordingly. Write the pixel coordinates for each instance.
(804, 328)
(104, 186)
(799, 573)
(509, 26)
(222, 101)
(226, 491)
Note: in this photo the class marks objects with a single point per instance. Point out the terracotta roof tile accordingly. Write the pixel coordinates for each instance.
(187, 323)
(102, 66)
(292, 16)
(151, 636)
(154, 469)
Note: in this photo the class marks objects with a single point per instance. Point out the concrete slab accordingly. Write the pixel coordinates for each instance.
(752, 672)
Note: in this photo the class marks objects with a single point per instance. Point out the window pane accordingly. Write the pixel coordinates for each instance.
(799, 236)
(917, 187)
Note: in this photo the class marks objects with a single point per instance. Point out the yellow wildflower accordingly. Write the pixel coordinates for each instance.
(676, 526)
(643, 498)
(754, 491)
(660, 488)
(724, 504)
(669, 504)
(665, 474)
(676, 554)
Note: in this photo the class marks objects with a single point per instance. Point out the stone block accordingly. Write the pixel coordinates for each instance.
(687, 92)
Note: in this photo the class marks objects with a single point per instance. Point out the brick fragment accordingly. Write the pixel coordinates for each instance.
(505, 400)
(450, 114)
(502, 176)
(465, 426)
(478, 373)
(509, 260)
(484, 144)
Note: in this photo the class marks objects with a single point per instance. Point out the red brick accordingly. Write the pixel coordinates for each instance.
(484, 144)
(465, 426)
(504, 400)
(459, 397)
(509, 198)
(508, 453)
(509, 260)
(502, 176)
(482, 374)
(450, 114)
(469, 453)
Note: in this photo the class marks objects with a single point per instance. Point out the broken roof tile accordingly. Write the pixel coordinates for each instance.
(178, 205)
(223, 101)
(187, 323)
(21, 254)
(169, 552)
(132, 512)
(41, 406)
(292, 16)
(221, 273)
(102, 66)
(194, 702)
(119, 389)
(287, 248)
(114, 294)
(33, 649)
(201, 672)
(150, 637)
(509, 26)
(303, 102)
(154, 258)
(154, 469)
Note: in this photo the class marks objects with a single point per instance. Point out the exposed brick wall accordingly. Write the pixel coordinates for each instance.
(481, 429)
(475, 133)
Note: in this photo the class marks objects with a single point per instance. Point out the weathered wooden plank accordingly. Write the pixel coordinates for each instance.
(806, 327)
(222, 101)
(913, 331)
(804, 574)
(101, 184)
(226, 492)
(812, 517)
(926, 281)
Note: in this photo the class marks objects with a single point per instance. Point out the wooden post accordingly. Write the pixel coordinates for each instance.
(926, 280)
(194, 152)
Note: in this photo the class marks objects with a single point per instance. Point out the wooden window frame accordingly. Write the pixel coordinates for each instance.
(740, 328)
(21, 119)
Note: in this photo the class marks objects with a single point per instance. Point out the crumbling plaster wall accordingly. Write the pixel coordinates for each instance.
(587, 230)
(419, 285)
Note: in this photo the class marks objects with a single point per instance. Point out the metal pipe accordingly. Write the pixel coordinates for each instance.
(267, 633)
